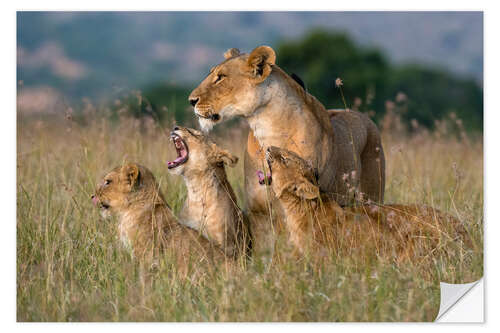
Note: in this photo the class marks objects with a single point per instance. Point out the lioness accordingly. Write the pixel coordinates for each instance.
(146, 223)
(316, 222)
(211, 205)
(281, 113)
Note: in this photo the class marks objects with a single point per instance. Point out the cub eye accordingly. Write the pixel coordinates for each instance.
(107, 182)
(219, 78)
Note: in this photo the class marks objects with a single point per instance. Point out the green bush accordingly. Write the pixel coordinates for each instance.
(321, 57)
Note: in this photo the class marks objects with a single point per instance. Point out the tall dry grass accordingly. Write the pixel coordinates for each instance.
(71, 267)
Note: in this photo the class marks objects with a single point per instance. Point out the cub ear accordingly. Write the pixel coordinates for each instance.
(231, 53)
(223, 156)
(306, 190)
(130, 173)
(261, 61)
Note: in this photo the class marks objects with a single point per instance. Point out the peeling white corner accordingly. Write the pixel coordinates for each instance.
(461, 303)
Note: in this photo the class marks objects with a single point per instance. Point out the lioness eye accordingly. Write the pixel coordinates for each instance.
(107, 182)
(219, 78)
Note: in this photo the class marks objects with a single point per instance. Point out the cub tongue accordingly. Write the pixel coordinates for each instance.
(262, 178)
(177, 160)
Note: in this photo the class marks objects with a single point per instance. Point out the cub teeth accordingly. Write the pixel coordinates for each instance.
(177, 141)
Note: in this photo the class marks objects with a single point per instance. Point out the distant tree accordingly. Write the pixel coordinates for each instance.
(170, 102)
(164, 103)
(434, 93)
(321, 57)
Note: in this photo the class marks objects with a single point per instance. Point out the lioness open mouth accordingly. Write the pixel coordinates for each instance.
(182, 151)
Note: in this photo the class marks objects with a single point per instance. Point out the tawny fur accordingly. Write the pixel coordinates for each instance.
(211, 205)
(281, 113)
(147, 225)
(316, 223)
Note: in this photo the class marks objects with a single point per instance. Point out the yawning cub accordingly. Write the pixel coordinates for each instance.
(211, 205)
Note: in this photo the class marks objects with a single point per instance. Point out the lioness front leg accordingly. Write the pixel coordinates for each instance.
(260, 210)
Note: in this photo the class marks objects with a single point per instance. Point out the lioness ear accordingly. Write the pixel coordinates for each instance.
(260, 61)
(231, 53)
(130, 173)
(306, 190)
(223, 156)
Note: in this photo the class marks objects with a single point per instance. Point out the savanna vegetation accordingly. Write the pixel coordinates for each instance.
(71, 265)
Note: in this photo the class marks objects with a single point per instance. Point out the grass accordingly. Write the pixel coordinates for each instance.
(71, 267)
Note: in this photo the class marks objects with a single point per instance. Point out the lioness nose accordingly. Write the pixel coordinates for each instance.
(193, 101)
(176, 128)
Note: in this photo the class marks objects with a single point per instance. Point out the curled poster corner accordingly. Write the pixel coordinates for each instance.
(451, 295)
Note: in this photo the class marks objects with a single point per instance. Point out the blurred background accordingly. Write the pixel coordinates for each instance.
(425, 66)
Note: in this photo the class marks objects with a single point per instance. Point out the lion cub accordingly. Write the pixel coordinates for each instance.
(316, 222)
(146, 223)
(211, 205)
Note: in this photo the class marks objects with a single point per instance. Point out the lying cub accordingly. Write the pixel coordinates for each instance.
(211, 205)
(146, 224)
(316, 222)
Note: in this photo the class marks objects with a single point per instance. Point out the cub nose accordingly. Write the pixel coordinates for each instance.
(176, 128)
(193, 101)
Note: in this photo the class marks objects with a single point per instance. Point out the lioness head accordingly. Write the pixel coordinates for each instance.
(291, 174)
(122, 186)
(233, 87)
(196, 152)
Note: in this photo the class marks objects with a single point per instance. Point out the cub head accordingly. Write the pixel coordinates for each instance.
(291, 174)
(122, 186)
(233, 87)
(196, 152)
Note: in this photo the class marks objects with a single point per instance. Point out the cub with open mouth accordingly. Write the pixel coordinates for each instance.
(211, 205)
